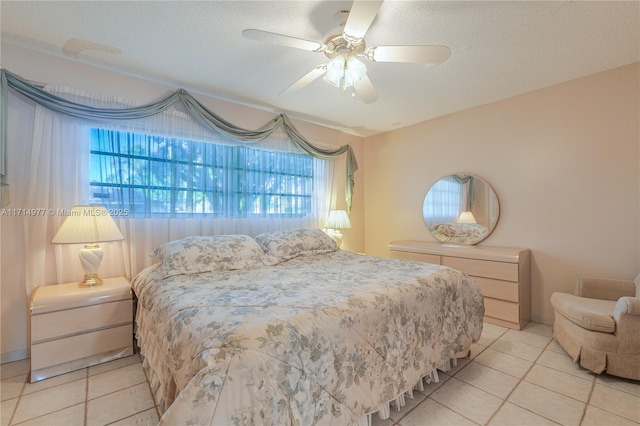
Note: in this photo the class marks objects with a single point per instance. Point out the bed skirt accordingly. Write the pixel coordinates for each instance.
(163, 387)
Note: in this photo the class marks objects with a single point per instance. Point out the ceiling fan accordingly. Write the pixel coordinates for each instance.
(344, 68)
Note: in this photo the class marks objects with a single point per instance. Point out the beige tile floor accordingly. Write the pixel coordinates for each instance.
(511, 378)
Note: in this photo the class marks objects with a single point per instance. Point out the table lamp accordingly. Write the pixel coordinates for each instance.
(338, 219)
(88, 225)
(466, 217)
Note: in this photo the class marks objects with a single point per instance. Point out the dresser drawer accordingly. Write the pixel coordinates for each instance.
(80, 346)
(497, 289)
(74, 321)
(420, 257)
(483, 268)
(501, 309)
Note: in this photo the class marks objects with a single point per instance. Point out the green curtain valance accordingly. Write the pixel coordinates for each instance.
(198, 111)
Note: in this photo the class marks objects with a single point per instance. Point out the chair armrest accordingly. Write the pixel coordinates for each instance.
(626, 306)
(627, 317)
(604, 288)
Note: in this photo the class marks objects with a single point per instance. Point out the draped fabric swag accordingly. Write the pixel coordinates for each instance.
(198, 111)
(468, 193)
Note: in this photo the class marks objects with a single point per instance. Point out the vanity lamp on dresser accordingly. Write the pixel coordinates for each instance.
(79, 324)
(503, 274)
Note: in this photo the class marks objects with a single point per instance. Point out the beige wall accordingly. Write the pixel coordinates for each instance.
(562, 160)
(14, 318)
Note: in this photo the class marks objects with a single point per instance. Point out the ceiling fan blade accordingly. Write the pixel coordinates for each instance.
(360, 18)
(306, 79)
(284, 40)
(416, 54)
(365, 90)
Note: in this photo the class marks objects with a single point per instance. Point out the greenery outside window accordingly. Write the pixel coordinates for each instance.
(157, 176)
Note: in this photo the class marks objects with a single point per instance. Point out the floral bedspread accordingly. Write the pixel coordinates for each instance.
(321, 339)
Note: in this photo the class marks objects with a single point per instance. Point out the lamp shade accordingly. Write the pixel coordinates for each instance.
(354, 71)
(335, 71)
(338, 219)
(86, 225)
(466, 217)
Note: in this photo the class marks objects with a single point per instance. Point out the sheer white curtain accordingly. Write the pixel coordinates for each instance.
(59, 179)
(444, 201)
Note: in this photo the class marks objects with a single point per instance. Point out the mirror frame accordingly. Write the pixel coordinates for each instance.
(486, 210)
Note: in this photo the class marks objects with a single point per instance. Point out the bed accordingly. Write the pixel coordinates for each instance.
(288, 329)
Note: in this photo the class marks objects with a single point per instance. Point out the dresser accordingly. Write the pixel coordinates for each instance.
(75, 327)
(502, 273)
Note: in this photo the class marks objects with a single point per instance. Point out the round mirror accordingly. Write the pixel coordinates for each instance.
(461, 209)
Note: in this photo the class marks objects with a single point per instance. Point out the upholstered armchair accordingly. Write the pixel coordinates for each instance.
(599, 325)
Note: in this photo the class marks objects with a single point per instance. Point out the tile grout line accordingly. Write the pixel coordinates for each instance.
(115, 391)
(13, 413)
(24, 385)
(15, 409)
(593, 385)
(86, 397)
(146, 380)
(450, 376)
(586, 406)
(460, 414)
(462, 368)
(45, 414)
(425, 398)
(520, 380)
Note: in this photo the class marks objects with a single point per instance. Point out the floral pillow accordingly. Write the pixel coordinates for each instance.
(290, 243)
(192, 255)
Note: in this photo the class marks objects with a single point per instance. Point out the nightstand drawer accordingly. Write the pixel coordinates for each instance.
(74, 321)
(81, 346)
(59, 297)
(76, 327)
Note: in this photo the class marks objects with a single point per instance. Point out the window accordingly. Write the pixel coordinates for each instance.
(162, 176)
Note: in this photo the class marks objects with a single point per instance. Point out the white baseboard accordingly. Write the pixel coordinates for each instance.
(14, 356)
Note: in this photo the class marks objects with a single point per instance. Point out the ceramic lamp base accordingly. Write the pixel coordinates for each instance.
(91, 280)
(90, 258)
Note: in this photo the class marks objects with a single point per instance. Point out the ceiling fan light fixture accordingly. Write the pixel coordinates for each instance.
(354, 71)
(343, 49)
(335, 71)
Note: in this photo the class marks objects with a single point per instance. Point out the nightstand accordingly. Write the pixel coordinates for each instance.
(74, 327)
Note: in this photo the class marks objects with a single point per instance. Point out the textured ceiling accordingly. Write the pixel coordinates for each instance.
(499, 49)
